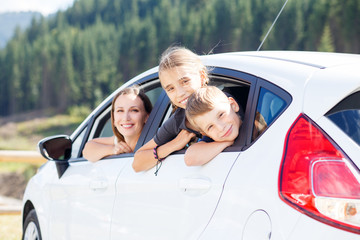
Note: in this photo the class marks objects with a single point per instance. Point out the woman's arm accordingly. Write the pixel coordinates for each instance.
(98, 148)
(144, 157)
(203, 152)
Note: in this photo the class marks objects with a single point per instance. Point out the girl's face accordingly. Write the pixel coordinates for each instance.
(180, 84)
(129, 115)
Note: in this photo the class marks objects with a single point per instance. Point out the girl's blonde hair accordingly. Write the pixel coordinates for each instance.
(181, 57)
(129, 90)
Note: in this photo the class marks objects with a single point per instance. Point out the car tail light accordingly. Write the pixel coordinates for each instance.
(318, 179)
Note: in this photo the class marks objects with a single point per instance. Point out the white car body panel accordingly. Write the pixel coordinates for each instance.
(189, 193)
(86, 192)
(324, 89)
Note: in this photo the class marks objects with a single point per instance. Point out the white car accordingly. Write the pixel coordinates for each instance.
(299, 179)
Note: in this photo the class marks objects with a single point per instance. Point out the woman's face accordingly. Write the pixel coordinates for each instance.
(179, 84)
(129, 115)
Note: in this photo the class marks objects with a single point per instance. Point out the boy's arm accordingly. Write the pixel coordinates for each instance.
(203, 152)
(144, 157)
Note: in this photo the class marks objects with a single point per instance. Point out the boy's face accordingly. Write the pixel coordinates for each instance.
(222, 123)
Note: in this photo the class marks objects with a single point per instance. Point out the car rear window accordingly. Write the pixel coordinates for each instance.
(346, 115)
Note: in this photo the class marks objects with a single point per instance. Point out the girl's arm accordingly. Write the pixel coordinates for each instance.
(203, 152)
(144, 157)
(98, 148)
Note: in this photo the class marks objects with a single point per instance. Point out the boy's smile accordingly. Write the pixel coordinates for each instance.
(222, 123)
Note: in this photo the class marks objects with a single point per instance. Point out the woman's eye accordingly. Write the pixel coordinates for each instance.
(210, 127)
(169, 89)
(221, 114)
(135, 110)
(120, 110)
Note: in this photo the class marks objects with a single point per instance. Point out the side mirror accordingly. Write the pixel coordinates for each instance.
(58, 149)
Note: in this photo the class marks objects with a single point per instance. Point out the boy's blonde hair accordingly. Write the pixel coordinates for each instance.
(181, 57)
(202, 101)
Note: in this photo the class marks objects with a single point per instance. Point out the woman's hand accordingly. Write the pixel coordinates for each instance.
(121, 147)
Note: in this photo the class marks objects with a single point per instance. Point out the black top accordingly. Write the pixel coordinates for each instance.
(172, 127)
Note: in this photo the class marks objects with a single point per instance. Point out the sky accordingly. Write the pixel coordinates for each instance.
(46, 7)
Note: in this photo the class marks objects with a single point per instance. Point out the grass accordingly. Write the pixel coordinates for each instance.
(10, 227)
(24, 135)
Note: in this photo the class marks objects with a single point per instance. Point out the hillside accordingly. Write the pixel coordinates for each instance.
(10, 20)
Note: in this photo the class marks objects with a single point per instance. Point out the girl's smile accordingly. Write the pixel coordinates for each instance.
(179, 84)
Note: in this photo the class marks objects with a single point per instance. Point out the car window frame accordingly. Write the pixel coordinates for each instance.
(94, 121)
(229, 75)
(262, 83)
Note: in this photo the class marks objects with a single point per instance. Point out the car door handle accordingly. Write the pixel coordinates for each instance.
(194, 185)
(99, 184)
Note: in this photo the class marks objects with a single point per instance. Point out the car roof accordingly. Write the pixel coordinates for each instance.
(315, 59)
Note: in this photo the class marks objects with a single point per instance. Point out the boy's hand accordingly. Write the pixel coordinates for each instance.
(182, 139)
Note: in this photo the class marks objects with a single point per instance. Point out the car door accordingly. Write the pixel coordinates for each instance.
(179, 202)
(83, 197)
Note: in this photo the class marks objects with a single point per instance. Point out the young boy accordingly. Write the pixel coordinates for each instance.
(216, 117)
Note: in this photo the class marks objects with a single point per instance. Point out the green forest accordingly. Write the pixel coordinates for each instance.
(79, 56)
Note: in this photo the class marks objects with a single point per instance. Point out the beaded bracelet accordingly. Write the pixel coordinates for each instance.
(159, 160)
(156, 154)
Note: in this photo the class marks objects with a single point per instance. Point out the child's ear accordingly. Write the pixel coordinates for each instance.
(203, 78)
(234, 105)
(147, 117)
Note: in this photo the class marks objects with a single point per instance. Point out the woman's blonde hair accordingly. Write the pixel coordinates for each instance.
(129, 90)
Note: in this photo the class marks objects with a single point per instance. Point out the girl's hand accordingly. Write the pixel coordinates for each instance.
(121, 147)
(182, 139)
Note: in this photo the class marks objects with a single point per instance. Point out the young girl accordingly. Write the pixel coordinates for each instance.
(129, 112)
(181, 72)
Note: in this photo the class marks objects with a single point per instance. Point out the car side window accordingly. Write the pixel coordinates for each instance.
(102, 124)
(107, 129)
(235, 88)
(77, 144)
(269, 106)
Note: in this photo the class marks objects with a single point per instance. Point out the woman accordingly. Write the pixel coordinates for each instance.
(129, 112)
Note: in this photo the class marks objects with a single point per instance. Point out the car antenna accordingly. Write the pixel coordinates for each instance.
(272, 25)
